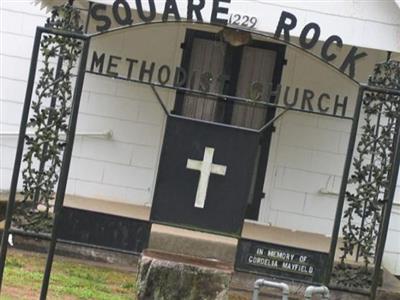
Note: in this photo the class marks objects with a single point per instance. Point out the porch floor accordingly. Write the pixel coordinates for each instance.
(203, 244)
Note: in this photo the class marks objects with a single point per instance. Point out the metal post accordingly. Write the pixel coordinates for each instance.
(278, 285)
(19, 152)
(160, 100)
(88, 16)
(387, 212)
(46, 145)
(378, 122)
(342, 193)
(385, 196)
(65, 167)
(271, 122)
(312, 290)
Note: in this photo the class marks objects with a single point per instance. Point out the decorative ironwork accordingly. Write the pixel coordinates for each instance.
(58, 25)
(49, 121)
(370, 181)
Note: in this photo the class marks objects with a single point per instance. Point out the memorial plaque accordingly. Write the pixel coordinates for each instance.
(205, 176)
(281, 261)
(104, 230)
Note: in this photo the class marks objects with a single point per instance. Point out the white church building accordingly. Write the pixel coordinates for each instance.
(121, 124)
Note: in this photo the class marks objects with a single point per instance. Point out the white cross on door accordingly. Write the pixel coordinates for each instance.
(206, 168)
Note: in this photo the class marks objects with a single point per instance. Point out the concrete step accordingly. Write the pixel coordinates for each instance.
(193, 243)
(205, 245)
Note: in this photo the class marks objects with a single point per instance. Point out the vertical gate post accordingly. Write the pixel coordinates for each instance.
(19, 152)
(387, 211)
(45, 147)
(59, 199)
(343, 186)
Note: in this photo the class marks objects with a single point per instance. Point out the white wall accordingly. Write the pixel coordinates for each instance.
(307, 152)
(18, 25)
(122, 169)
(358, 22)
(307, 158)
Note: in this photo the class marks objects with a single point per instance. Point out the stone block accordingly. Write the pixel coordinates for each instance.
(165, 276)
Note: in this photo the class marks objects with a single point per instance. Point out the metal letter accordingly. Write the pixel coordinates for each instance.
(350, 61)
(283, 26)
(142, 16)
(327, 44)
(304, 33)
(219, 10)
(196, 9)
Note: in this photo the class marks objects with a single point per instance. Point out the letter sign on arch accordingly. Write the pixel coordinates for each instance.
(121, 13)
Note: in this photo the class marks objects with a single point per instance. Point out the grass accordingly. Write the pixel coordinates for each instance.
(70, 279)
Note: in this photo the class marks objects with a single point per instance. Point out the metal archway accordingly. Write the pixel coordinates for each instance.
(86, 38)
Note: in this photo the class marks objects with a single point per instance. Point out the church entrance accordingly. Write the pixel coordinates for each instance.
(245, 69)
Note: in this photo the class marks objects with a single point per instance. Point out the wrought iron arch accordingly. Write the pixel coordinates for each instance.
(242, 29)
(85, 38)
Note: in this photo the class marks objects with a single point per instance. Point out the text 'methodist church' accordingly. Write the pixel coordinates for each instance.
(206, 130)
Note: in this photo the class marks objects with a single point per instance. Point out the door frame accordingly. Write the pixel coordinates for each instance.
(235, 53)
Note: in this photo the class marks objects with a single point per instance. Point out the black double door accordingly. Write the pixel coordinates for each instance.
(249, 71)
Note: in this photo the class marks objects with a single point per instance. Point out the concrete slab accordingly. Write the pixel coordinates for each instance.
(287, 237)
(108, 207)
(187, 242)
(181, 240)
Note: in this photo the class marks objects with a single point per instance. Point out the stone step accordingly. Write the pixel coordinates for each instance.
(205, 245)
(169, 276)
(193, 243)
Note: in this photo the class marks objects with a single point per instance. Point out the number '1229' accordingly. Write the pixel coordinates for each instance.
(243, 20)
